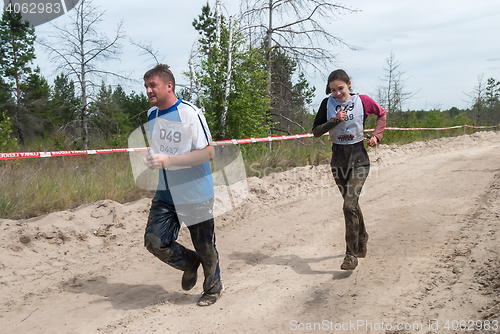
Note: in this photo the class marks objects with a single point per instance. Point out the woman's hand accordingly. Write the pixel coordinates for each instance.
(341, 114)
(373, 141)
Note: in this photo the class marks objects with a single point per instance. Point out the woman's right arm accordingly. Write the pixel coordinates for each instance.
(321, 124)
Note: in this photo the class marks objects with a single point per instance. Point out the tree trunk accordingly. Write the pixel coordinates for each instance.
(217, 34)
(19, 129)
(228, 80)
(268, 59)
(196, 81)
(85, 130)
(269, 46)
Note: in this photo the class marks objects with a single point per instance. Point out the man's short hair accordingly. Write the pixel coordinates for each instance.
(163, 72)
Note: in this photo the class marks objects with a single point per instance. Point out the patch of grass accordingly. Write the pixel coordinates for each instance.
(33, 187)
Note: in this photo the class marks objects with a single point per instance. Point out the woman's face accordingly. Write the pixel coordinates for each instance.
(340, 89)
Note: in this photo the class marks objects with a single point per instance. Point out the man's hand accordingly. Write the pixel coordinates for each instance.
(156, 161)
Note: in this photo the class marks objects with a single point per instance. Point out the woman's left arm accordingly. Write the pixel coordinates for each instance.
(372, 107)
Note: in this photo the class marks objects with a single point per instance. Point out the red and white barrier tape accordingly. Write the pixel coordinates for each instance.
(261, 139)
(24, 155)
(451, 127)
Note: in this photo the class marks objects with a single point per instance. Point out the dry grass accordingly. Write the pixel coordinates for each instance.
(33, 187)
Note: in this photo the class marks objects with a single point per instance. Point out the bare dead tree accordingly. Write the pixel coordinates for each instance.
(146, 49)
(297, 28)
(478, 99)
(194, 80)
(81, 51)
(391, 94)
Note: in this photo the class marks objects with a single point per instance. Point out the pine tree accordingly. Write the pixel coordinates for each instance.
(493, 100)
(16, 56)
(35, 94)
(5, 94)
(289, 100)
(64, 105)
(7, 143)
(107, 114)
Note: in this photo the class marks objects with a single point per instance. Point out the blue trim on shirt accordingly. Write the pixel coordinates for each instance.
(163, 112)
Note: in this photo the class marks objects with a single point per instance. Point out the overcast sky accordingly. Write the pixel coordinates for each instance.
(443, 46)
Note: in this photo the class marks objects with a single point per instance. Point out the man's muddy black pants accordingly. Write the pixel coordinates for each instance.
(162, 230)
(350, 182)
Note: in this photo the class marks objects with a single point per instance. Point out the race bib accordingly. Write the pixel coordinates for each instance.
(349, 131)
(171, 138)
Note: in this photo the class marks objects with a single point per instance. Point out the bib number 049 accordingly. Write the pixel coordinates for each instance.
(171, 137)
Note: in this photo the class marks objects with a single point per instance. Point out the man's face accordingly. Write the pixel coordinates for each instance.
(157, 91)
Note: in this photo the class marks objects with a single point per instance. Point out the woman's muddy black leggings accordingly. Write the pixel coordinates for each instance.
(350, 182)
(161, 234)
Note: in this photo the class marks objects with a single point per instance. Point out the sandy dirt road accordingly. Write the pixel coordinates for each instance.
(433, 215)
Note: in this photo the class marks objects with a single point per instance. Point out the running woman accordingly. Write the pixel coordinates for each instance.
(343, 115)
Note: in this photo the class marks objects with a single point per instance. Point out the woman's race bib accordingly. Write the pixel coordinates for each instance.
(349, 131)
